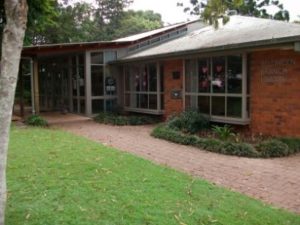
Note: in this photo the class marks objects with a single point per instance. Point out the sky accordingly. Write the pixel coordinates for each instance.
(171, 13)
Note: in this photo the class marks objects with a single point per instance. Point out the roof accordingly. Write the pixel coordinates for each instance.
(239, 32)
(151, 33)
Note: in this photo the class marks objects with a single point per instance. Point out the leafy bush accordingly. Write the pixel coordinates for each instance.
(293, 143)
(272, 148)
(224, 133)
(36, 120)
(266, 149)
(121, 120)
(190, 121)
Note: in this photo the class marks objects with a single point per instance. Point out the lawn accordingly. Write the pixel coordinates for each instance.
(55, 178)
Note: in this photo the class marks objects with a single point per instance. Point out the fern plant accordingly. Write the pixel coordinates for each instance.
(223, 132)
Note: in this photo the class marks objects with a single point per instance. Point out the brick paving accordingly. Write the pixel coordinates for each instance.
(275, 181)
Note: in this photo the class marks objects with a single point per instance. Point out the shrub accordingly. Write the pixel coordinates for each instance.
(36, 120)
(238, 149)
(293, 143)
(272, 148)
(223, 133)
(120, 120)
(168, 134)
(190, 121)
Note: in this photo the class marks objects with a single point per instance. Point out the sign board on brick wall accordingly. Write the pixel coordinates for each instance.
(275, 70)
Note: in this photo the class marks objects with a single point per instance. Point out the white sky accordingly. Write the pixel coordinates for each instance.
(172, 14)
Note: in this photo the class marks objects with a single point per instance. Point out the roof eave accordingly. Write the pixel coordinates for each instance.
(254, 44)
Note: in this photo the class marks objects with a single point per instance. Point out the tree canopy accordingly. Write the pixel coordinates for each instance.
(56, 21)
(212, 10)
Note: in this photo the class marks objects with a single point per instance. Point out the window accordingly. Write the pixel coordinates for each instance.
(214, 86)
(143, 87)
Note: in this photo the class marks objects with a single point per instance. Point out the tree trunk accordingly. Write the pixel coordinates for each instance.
(12, 43)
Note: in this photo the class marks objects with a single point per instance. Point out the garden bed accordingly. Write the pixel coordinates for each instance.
(192, 128)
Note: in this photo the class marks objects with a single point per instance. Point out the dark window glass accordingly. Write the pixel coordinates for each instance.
(218, 79)
(144, 78)
(204, 104)
(218, 106)
(111, 105)
(162, 78)
(82, 106)
(127, 100)
(97, 58)
(97, 80)
(81, 81)
(191, 76)
(97, 106)
(152, 77)
(127, 79)
(144, 101)
(234, 74)
(191, 102)
(75, 106)
(234, 107)
(204, 75)
(152, 101)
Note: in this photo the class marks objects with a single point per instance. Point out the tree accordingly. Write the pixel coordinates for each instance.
(12, 43)
(212, 10)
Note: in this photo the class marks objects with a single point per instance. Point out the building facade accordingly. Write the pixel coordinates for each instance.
(247, 72)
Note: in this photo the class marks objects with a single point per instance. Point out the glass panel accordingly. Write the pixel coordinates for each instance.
(144, 79)
(234, 74)
(162, 101)
(127, 79)
(110, 56)
(127, 100)
(111, 105)
(191, 102)
(191, 76)
(152, 101)
(152, 77)
(81, 81)
(81, 59)
(162, 78)
(234, 107)
(97, 58)
(204, 75)
(204, 104)
(97, 106)
(97, 80)
(82, 106)
(144, 101)
(218, 106)
(218, 82)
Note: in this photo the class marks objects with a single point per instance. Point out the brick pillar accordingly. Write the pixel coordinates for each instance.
(173, 68)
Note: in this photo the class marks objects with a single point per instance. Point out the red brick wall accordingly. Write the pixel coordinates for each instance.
(275, 92)
(172, 105)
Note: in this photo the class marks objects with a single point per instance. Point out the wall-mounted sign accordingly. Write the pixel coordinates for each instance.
(275, 70)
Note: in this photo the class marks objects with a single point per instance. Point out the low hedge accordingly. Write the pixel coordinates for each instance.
(121, 120)
(37, 121)
(266, 149)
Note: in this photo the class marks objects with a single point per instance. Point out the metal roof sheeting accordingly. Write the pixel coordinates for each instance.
(240, 31)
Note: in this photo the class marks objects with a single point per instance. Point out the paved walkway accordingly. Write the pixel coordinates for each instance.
(275, 181)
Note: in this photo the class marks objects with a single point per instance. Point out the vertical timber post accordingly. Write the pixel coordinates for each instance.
(36, 86)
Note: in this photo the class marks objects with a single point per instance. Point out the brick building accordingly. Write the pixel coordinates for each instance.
(247, 72)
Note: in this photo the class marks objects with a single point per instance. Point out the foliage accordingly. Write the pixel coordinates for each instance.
(36, 120)
(71, 180)
(212, 10)
(121, 120)
(272, 148)
(293, 143)
(265, 149)
(190, 121)
(82, 21)
(223, 132)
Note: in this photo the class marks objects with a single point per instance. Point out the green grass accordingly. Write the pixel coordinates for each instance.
(55, 178)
